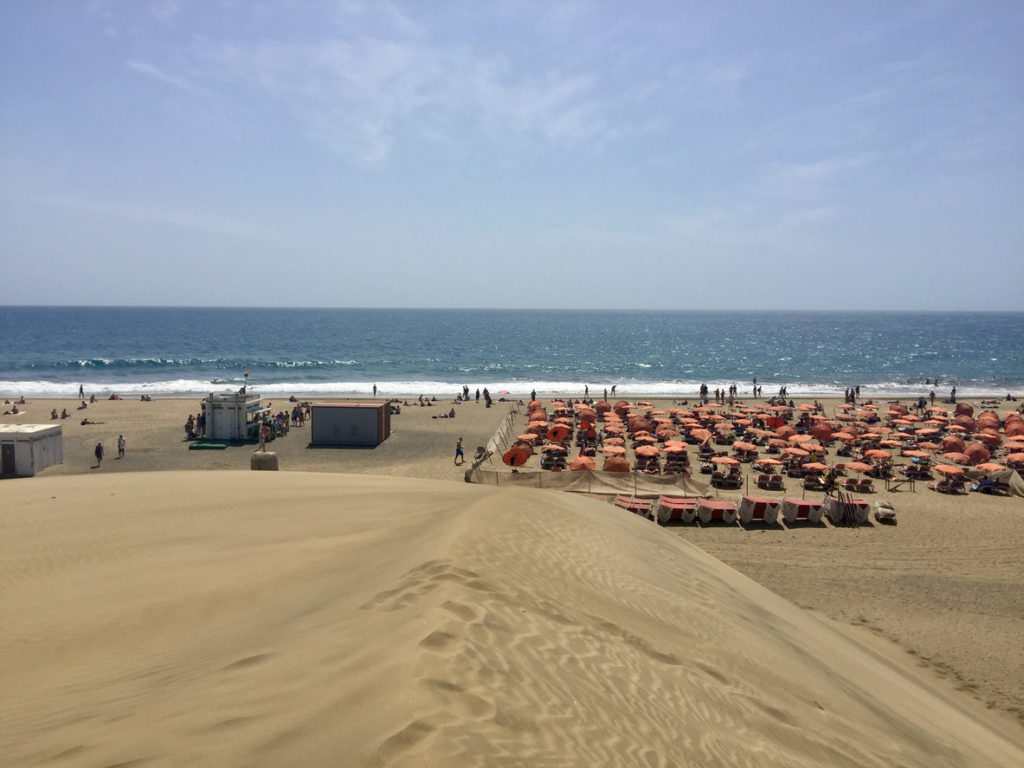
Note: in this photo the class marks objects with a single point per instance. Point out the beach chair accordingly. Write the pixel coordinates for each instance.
(991, 486)
(801, 510)
(758, 509)
(733, 481)
(864, 486)
(836, 509)
(635, 505)
(813, 483)
(708, 510)
(672, 509)
(763, 481)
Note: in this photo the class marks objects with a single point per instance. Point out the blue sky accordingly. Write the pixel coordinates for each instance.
(513, 154)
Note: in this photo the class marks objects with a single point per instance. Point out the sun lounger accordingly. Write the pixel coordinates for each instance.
(731, 480)
(770, 482)
(794, 510)
(950, 485)
(836, 509)
(992, 486)
(635, 505)
(813, 483)
(672, 508)
(708, 510)
(758, 509)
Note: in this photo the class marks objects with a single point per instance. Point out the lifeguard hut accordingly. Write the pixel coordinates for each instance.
(234, 416)
(365, 423)
(26, 449)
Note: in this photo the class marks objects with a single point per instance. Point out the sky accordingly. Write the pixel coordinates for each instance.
(651, 154)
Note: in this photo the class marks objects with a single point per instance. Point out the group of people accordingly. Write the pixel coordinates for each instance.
(13, 410)
(195, 426)
(98, 450)
(300, 412)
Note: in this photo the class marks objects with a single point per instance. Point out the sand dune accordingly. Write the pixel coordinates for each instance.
(232, 618)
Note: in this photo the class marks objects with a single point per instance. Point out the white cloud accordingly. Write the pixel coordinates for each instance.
(358, 95)
(809, 180)
(182, 219)
(149, 70)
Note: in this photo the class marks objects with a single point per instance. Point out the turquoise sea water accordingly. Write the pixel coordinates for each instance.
(168, 351)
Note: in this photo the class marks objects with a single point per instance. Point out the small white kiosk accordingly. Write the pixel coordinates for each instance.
(351, 423)
(233, 415)
(29, 448)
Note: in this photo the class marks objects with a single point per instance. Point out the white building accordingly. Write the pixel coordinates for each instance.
(26, 449)
(233, 416)
(351, 422)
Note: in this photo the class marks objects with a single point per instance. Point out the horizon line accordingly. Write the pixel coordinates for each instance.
(720, 310)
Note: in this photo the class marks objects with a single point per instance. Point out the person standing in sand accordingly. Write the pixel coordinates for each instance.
(120, 446)
(99, 453)
(460, 457)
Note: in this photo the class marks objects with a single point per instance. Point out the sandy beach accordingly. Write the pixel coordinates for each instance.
(408, 621)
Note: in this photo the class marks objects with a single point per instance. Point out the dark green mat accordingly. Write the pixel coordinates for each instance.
(207, 445)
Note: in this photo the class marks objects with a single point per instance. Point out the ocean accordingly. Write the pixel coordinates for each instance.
(51, 351)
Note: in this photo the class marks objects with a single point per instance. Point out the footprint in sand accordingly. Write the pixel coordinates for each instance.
(405, 740)
(439, 641)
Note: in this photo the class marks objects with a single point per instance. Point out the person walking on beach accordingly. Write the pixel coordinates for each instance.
(374, 390)
(81, 391)
(460, 457)
(99, 453)
(120, 446)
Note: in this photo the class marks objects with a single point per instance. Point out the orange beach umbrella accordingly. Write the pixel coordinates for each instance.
(858, 466)
(616, 464)
(517, 455)
(991, 466)
(582, 462)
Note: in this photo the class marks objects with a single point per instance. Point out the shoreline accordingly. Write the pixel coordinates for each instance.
(544, 390)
